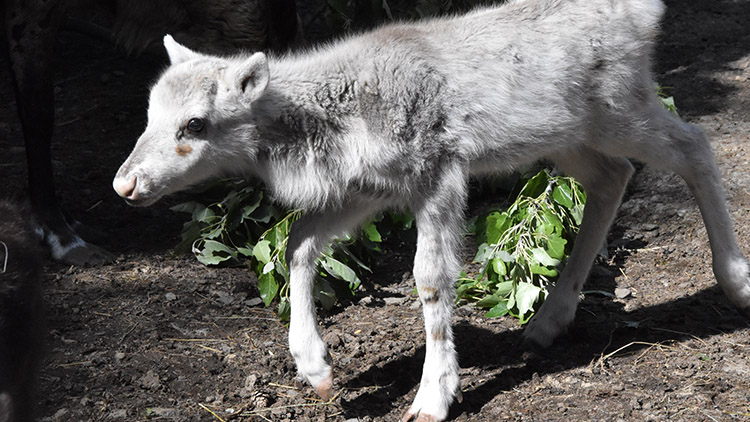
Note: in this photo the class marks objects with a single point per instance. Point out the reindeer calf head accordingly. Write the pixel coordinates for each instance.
(200, 124)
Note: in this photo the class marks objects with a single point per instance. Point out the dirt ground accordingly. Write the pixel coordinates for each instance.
(155, 336)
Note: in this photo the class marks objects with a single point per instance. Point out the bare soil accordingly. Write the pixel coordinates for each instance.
(155, 336)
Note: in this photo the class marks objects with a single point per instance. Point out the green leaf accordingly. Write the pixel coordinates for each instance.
(536, 185)
(270, 266)
(563, 195)
(556, 247)
(262, 251)
(372, 232)
(497, 225)
(285, 309)
(191, 231)
(214, 253)
(541, 270)
(498, 266)
(325, 293)
(541, 256)
(268, 287)
(504, 288)
(339, 270)
(216, 232)
(526, 295)
(501, 309)
(206, 215)
(247, 252)
(577, 213)
(505, 256)
(483, 253)
(489, 301)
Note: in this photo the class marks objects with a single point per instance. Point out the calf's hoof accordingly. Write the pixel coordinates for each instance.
(325, 389)
(419, 417)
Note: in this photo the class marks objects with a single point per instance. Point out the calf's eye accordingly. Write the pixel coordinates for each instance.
(195, 125)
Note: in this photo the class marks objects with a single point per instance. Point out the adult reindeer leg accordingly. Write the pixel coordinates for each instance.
(31, 28)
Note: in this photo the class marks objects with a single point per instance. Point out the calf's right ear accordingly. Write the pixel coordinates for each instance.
(248, 78)
(177, 52)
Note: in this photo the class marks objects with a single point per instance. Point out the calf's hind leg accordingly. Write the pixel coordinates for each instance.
(669, 143)
(604, 179)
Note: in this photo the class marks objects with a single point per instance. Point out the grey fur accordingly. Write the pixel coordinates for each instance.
(404, 115)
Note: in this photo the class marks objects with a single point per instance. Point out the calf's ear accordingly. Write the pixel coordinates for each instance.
(177, 52)
(249, 77)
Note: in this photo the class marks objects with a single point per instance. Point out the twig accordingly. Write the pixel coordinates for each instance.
(680, 332)
(211, 412)
(632, 343)
(128, 333)
(257, 412)
(197, 340)
(67, 365)
(273, 384)
(94, 206)
(217, 351)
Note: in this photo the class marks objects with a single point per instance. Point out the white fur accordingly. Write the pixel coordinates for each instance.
(404, 115)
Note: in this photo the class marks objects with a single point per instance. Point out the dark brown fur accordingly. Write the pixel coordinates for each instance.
(21, 314)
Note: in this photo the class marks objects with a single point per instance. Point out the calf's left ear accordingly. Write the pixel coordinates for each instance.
(249, 77)
(177, 52)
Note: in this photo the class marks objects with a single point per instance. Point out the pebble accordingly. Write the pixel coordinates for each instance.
(150, 380)
(332, 339)
(622, 292)
(117, 414)
(395, 300)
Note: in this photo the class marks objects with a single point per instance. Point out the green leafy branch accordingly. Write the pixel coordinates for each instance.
(245, 228)
(520, 249)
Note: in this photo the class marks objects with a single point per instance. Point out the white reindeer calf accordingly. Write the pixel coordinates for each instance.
(401, 117)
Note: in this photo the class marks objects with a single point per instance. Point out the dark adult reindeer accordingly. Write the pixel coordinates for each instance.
(31, 27)
(21, 314)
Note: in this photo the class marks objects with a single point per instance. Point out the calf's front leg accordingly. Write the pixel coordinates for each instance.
(309, 235)
(436, 265)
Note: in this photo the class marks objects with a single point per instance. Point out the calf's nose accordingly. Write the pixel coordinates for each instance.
(125, 187)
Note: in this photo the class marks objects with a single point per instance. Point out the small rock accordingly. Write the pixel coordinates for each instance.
(622, 292)
(61, 413)
(464, 311)
(119, 356)
(164, 412)
(254, 301)
(150, 380)
(332, 339)
(366, 300)
(395, 300)
(225, 298)
(118, 414)
(250, 381)
(170, 297)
